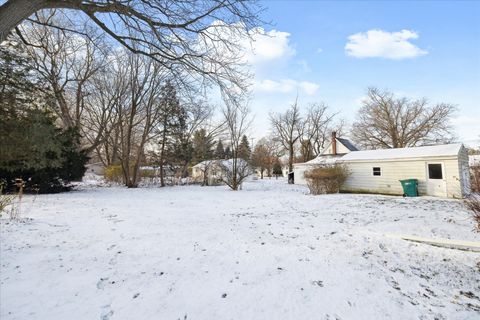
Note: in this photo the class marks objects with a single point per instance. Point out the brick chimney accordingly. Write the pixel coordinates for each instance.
(334, 142)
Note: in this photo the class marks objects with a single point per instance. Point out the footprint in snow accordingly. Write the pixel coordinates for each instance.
(383, 247)
(101, 283)
(106, 313)
(393, 283)
(318, 283)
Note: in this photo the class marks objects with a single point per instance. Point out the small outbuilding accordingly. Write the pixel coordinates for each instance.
(441, 170)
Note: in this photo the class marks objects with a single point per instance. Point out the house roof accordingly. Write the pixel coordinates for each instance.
(226, 163)
(348, 144)
(203, 163)
(345, 142)
(325, 159)
(444, 150)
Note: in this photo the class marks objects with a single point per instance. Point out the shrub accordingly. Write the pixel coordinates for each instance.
(45, 167)
(473, 204)
(475, 179)
(326, 180)
(114, 173)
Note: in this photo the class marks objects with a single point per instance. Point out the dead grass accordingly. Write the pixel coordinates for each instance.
(473, 204)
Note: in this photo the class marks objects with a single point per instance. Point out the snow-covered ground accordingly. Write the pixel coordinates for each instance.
(269, 251)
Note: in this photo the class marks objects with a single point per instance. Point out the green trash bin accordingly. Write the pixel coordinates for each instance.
(410, 187)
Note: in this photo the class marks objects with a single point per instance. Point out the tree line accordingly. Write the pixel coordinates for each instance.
(117, 105)
(139, 97)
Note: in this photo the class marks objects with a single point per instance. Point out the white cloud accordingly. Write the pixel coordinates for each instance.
(319, 50)
(304, 66)
(382, 44)
(287, 86)
(267, 46)
(235, 43)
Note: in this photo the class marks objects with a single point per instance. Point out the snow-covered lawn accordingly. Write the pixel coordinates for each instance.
(269, 251)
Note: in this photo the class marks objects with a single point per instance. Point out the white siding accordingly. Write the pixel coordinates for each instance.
(341, 149)
(361, 177)
(299, 171)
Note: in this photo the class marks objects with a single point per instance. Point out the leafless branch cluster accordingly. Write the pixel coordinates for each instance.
(473, 204)
(237, 121)
(385, 121)
(200, 39)
(307, 133)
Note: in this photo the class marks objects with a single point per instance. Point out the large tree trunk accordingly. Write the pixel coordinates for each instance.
(13, 12)
(162, 158)
(290, 158)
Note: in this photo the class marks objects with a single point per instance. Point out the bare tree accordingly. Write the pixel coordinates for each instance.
(288, 129)
(139, 112)
(66, 62)
(385, 121)
(206, 168)
(317, 127)
(198, 38)
(261, 157)
(234, 172)
(237, 121)
(102, 118)
(72, 66)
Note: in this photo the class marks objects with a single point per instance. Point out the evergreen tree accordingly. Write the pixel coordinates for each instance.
(277, 168)
(228, 152)
(173, 145)
(219, 151)
(32, 147)
(244, 150)
(202, 146)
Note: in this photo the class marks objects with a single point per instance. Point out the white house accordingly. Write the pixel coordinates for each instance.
(336, 149)
(215, 170)
(97, 168)
(441, 170)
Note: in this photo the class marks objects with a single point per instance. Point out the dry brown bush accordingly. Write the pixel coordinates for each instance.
(326, 180)
(473, 204)
(475, 179)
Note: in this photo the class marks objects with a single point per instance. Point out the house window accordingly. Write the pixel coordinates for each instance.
(435, 171)
(377, 171)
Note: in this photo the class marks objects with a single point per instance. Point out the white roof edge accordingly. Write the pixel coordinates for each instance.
(437, 151)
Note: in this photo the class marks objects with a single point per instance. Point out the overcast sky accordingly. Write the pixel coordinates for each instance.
(332, 51)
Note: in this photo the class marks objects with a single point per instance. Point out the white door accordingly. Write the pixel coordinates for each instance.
(436, 182)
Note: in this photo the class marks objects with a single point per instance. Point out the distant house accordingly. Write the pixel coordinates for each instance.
(97, 168)
(213, 171)
(336, 148)
(441, 170)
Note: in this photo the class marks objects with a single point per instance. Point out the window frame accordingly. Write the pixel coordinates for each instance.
(379, 171)
(442, 175)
